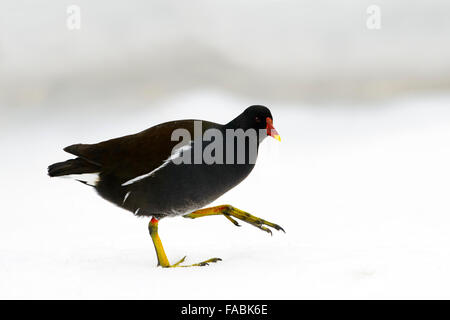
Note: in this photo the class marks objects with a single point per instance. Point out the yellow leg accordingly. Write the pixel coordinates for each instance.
(229, 212)
(161, 254)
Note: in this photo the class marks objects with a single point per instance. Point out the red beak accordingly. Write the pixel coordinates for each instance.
(271, 130)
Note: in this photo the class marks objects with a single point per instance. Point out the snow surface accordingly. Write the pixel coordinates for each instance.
(362, 192)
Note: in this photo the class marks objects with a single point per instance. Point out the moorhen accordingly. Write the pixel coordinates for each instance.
(153, 174)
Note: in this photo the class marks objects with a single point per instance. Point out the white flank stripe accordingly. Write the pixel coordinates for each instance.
(175, 155)
(126, 197)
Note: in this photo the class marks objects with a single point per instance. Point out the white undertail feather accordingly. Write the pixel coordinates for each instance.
(89, 178)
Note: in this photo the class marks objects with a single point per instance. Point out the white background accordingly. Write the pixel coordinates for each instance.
(362, 195)
(360, 181)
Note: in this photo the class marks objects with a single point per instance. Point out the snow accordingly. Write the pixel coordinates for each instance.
(362, 192)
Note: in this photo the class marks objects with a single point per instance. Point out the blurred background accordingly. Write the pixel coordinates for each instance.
(360, 93)
(271, 51)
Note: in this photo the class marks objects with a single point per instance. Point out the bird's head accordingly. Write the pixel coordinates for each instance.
(259, 117)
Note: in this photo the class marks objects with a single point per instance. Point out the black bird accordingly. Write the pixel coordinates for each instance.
(153, 174)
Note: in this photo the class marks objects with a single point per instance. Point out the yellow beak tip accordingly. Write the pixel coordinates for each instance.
(277, 137)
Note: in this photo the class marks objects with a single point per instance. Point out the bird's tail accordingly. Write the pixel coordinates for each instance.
(72, 166)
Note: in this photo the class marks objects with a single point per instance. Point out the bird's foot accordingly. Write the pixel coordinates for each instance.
(200, 264)
(204, 263)
(230, 211)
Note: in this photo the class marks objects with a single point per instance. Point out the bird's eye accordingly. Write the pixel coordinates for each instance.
(257, 119)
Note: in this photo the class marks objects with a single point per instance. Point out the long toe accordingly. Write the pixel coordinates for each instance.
(277, 227)
(250, 219)
(200, 264)
(181, 261)
(205, 263)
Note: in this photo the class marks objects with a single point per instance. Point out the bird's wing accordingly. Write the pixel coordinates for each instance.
(134, 155)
